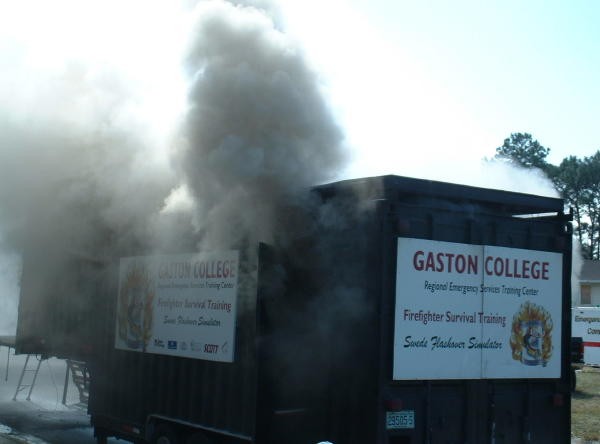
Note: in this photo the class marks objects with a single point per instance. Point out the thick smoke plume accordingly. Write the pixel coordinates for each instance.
(79, 167)
(257, 131)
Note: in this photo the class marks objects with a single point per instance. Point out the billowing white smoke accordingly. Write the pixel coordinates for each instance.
(79, 162)
(87, 142)
(80, 158)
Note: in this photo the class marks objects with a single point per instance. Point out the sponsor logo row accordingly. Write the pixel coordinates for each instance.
(194, 346)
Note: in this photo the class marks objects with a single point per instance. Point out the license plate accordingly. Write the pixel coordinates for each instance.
(404, 419)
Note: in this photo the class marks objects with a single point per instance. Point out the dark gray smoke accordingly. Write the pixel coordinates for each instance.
(257, 131)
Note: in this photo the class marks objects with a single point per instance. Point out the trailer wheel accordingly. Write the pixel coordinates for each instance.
(101, 436)
(164, 434)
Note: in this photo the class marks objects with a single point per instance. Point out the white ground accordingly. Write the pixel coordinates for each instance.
(42, 419)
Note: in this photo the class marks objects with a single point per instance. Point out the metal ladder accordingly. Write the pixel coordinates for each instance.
(81, 378)
(21, 386)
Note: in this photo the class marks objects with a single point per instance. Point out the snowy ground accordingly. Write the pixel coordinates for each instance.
(48, 389)
(42, 419)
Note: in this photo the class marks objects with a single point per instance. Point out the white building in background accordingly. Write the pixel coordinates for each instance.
(588, 294)
(586, 313)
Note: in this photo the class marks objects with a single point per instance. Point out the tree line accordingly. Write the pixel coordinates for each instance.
(576, 179)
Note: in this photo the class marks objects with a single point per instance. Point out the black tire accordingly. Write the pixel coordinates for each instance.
(164, 434)
(573, 379)
(101, 436)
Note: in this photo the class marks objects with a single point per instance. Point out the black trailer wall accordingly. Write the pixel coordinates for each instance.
(445, 411)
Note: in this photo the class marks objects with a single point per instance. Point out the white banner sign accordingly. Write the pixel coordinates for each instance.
(473, 311)
(180, 305)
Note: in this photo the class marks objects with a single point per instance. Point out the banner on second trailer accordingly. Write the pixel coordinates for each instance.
(179, 305)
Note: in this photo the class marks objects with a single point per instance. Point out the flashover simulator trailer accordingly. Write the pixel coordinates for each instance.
(409, 311)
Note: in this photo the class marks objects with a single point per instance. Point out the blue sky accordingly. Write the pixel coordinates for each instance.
(459, 76)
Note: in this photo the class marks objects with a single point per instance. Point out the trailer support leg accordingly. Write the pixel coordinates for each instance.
(66, 386)
(7, 362)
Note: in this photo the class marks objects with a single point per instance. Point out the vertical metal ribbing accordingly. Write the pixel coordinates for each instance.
(428, 419)
(492, 411)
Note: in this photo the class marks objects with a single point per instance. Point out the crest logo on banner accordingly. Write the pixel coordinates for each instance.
(531, 335)
(136, 297)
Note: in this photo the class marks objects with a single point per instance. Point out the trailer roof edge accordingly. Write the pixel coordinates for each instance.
(390, 186)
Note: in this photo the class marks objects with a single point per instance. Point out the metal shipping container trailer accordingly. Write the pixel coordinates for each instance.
(410, 311)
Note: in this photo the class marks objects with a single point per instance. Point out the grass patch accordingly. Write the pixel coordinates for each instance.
(585, 405)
